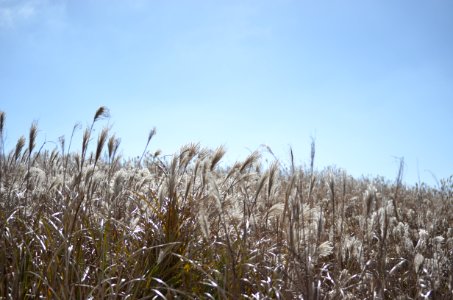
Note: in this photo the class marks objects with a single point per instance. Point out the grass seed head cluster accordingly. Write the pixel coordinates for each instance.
(93, 225)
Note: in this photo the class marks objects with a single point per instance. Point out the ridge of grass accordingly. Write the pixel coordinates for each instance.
(96, 226)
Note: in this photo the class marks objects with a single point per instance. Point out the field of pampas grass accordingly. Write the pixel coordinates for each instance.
(93, 225)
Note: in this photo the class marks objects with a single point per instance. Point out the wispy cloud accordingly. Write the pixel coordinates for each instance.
(16, 12)
(12, 12)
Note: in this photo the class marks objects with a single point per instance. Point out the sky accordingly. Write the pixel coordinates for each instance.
(368, 81)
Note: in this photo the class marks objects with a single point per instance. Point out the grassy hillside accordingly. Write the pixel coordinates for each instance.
(91, 225)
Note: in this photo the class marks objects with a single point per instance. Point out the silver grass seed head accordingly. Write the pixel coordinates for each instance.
(325, 249)
(368, 198)
(113, 145)
(291, 154)
(272, 174)
(418, 261)
(19, 146)
(218, 154)
(249, 161)
(214, 191)
(2, 122)
(32, 137)
(62, 141)
(151, 134)
(204, 223)
(85, 140)
(438, 241)
(101, 142)
(276, 210)
(312, 154)
(101, 112)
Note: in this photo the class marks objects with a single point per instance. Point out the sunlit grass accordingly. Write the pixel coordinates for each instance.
(92, 225)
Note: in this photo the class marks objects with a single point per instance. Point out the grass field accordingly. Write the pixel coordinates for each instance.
(93, 225)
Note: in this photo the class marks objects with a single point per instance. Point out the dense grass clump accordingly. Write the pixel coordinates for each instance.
(91, 225)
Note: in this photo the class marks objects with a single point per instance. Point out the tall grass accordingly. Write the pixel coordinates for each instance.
(99, 226)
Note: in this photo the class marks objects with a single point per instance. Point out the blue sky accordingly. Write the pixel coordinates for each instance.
(369, 80)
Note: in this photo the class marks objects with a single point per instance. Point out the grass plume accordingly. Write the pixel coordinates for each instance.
(185, 226)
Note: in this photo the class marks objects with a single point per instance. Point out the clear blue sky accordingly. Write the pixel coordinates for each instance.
(369, 80)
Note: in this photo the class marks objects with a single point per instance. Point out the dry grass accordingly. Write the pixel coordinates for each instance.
(96, 226)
